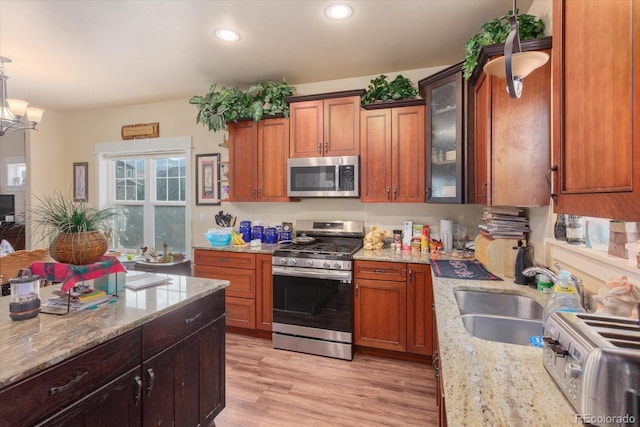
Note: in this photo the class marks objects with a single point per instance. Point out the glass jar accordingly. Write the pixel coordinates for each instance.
(575, 230)
(560, 228)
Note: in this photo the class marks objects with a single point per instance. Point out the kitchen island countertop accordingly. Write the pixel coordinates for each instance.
(30, 346)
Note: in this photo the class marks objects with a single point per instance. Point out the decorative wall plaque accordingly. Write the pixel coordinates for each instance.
(141, 131)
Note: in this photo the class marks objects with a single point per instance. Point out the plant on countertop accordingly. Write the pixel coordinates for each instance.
(75, 231)
(218, 107)
(496, 31)
(380, 89)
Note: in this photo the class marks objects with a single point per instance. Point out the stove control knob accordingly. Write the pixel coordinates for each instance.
(572, 370)
(326, 264)
(283, 261)
(293, 261)
(337, 265)
(308, 263)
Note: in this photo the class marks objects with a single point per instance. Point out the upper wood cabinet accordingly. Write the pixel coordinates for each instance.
(325, 125)
(258, 155)
(510, 138)
(596, 103)
(392, 154)
(444, 95)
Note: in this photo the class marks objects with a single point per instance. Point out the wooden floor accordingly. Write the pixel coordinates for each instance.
(269, 387)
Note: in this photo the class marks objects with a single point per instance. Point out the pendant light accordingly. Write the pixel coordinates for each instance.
(515, 65)
(15, 113)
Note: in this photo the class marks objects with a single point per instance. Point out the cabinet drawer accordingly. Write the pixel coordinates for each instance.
(171, 328)
(26, 402)
(224, 259)
(394, 271)
(242, 283)
(241, 312)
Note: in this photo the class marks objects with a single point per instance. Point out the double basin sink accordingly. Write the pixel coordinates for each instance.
(506, 318)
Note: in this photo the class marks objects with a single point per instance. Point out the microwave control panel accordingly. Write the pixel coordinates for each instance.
(346, 178)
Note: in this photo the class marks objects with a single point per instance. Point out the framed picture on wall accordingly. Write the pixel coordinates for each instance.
(224, 171)
(224, 190)
(207, 180)
(80, 182)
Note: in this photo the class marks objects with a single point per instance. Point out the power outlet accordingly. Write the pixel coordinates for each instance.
(202, 217)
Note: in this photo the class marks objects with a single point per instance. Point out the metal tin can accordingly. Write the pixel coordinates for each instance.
(257, 233)
(270, 235)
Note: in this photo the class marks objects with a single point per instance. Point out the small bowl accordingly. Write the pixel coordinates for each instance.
(219, 236)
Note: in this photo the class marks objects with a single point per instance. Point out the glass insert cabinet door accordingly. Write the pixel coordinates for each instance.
(443, 95)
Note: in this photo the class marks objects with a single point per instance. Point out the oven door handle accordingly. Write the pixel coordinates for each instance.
(311, 273)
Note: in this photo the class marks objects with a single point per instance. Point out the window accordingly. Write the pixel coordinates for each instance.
(16, 172)
(151, 190)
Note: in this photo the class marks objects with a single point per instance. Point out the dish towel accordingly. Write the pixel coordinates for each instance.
(461, 269)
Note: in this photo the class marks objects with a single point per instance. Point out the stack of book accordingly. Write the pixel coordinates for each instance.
(504, 222)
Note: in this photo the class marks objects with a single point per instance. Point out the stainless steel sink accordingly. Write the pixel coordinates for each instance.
(478, 302)
(502, 329)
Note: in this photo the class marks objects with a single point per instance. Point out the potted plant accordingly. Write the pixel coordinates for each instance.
(217, 107)
(496, 31)
(76, 232)
(380, 90)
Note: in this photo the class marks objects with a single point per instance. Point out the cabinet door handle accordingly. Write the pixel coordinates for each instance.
(484, 189)
(192, 319)
(395, 193)
(553, 168)
(428, 193)
(319, 148)
(379, 271)
(259, 193)
(357, 288)
(388, 193)
(152, 377)
(326, 147)
(138, 381)
(410, 275)
(436, 365)
(55, 390)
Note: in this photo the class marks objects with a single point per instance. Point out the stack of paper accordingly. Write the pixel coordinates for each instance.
(504, 222)
(144, 280)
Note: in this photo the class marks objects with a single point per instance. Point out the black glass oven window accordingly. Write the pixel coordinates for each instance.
(313, 178)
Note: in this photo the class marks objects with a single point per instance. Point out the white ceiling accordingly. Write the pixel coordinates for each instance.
(71, 55)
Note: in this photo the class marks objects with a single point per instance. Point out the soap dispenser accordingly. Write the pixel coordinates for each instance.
(524, 260)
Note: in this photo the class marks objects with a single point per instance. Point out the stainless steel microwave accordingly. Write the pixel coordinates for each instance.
(324, 177)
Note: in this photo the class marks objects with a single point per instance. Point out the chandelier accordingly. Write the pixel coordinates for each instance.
(14, 114)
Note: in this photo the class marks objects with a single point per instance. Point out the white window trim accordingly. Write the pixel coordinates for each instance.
(104, 151)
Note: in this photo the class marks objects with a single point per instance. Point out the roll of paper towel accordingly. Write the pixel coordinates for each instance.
(446, 234)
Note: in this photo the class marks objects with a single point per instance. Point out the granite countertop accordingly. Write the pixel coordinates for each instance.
(491, 383)
(29, 346)
(247, 249)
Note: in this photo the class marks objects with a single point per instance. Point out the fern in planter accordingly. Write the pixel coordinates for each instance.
(218, 107)
(496, 31)
(381, 90)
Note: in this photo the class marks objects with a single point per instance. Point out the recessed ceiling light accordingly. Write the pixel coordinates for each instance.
(338, 11)
(227, 35)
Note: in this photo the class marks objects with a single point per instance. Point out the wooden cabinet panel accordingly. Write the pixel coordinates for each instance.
(378, 270)
(375, 156)
(241, 312)
(158, 376)
(29, 401)
(380, 314)
(223, 259)
(186, 359)
(116, 404)
(307, 128)
(243, 159)
(392, 147)
(212, 371)
(407, 147)
(325, 127)
(511, 138)
(419, 311)
(242, 282)
(273, 151)
(171, 328)
(342, 126)
(264, 292)
(596, 137)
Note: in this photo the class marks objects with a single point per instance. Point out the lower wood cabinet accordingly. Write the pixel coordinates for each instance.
(392, 306)
(248, 299)
(437, 371)
(170, 371)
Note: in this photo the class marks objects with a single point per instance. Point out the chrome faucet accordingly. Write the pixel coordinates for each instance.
(584, 301)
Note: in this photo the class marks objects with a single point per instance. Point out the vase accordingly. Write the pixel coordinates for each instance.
(79, 248)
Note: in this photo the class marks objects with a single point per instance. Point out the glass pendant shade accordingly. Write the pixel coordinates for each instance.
(522, 64)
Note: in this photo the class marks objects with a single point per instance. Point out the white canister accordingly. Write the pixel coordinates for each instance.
(446, 232)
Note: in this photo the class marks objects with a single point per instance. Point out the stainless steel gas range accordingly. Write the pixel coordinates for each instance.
(313, 289)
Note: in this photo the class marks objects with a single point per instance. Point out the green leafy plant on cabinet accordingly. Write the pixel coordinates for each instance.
(217, 107)
(381, 89)
(496, 31)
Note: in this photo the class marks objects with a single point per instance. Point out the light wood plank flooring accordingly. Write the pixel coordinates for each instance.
(269, 387)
